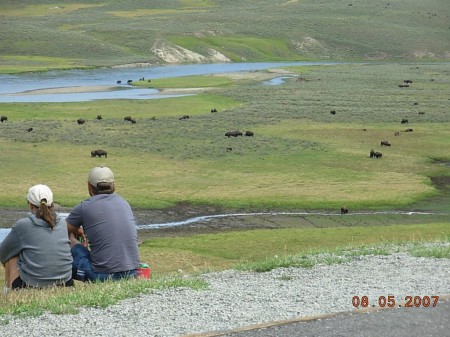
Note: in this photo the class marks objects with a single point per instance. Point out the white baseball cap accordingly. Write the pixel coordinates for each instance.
(100, 174)
(38, 194)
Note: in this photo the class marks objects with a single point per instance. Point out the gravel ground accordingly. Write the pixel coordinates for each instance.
(235, 299)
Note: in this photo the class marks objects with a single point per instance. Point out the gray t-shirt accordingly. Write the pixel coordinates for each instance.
(44, 254)
(110, 227)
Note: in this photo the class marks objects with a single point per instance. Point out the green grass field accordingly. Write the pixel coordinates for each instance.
(301, 156)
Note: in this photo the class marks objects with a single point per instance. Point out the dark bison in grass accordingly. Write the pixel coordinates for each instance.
(344, 210)
(404, 121)
(375, 154)
(184, 117)
(385, 143)
(81, 121)
(99, 153)
(129, 119)
(3, 119)
(233, 134)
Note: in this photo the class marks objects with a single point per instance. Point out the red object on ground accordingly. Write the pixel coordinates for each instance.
(144, 272)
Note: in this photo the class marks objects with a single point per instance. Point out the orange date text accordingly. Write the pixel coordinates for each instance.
(390, 301)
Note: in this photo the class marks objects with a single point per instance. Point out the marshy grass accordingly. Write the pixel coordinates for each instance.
(300, 157)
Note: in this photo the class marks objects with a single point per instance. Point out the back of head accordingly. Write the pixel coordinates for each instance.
(41, 197)
(40, 194)
(101, 179)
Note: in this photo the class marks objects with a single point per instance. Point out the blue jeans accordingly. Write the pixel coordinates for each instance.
(82, 269)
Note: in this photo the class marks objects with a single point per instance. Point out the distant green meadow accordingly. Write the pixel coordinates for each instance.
(301, 155)
(106, 33)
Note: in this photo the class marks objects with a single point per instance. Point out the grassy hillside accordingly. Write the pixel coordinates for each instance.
(44, 34)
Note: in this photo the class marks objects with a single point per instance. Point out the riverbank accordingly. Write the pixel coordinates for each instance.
(187, 220)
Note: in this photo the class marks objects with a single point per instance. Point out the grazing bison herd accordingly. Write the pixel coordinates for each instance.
(102, 153)
(376, 154)
(386, 143)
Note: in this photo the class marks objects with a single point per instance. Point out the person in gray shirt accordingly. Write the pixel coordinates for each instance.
(36, 252)
(106, 219)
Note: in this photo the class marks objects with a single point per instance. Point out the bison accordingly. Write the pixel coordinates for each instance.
(29, 129)
(403, 85)
(213, 110)
(344, 210)
(404, 121)
(375, 154)
(249, 133)
(333, 112)
(396, 133)
(184, 117)
(385, 143)
(233, 134)
(409, 130)
(127, 119)
(81, 121)
(3, 119)
(99, 153)
(129, 82)
(99, 117)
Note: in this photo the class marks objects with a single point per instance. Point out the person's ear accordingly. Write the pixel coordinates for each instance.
(91, 190)
(31, 206)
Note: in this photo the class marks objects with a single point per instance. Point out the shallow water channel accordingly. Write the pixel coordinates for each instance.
(206, 218)
(22, 87)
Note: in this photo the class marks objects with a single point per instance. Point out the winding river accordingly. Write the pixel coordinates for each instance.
(26, 87)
